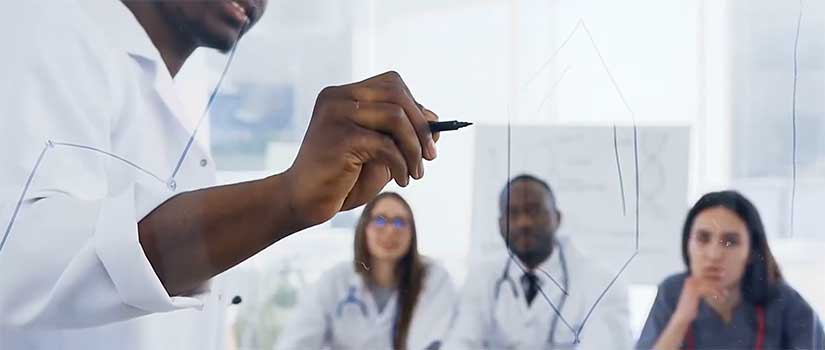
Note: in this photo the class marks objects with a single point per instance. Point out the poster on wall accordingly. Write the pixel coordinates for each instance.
(593, 176)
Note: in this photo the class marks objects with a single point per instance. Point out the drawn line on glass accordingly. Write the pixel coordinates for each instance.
(552, 90)
(211, 99)
(170, 183)
(582, 25)
(794, 120)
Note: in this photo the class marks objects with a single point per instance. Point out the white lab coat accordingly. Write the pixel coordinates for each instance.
(324, 318)
(72, 272)
(506, 321)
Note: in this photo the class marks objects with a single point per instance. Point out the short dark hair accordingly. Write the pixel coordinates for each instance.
(760, 284)
(502, 197)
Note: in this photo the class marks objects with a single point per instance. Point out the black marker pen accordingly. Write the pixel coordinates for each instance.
(448, 125)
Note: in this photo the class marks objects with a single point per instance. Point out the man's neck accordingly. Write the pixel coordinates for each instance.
(531, 263)
(174, 48)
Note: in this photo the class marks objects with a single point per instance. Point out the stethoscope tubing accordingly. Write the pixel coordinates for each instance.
(505, 278)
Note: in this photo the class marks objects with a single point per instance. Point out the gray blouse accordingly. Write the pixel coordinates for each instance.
(381, 295)
(790, 323)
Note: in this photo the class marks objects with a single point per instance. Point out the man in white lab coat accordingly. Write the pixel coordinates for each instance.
(111, 233)
(540, 296)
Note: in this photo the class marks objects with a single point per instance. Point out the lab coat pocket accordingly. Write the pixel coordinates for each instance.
(562, 337)
(564, 340)
(508, 335)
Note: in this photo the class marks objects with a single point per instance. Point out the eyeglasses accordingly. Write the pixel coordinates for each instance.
(381, 221)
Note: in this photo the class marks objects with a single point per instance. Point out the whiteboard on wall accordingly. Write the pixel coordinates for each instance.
(599, 211)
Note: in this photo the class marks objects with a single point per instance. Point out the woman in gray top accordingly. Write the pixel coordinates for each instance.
(732, 295)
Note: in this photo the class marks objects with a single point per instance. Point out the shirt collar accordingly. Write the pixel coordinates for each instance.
(551, 266)
(122, 28)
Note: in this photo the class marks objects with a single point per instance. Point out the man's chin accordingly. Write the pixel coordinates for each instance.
(222, 45)
(217, 37)
(530, 258)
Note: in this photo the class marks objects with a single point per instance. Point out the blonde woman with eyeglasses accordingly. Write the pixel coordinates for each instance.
(388, 297)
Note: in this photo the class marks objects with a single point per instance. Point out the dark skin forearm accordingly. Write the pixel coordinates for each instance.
(360, 137)
(197, 235)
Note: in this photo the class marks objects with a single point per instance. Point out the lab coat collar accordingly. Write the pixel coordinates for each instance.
(364, 294)
(357, 281)
(126, 33)
(551, 265)
(553, 290)
(125, 30)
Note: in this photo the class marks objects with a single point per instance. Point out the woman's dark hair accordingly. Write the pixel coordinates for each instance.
(762, 276)
(410, 269)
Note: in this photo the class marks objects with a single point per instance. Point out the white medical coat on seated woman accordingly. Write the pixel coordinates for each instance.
(340, 312)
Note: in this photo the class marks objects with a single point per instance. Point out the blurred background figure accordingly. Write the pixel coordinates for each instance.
(710, 85)
(388, 297)
(540, 296)
(732, 295)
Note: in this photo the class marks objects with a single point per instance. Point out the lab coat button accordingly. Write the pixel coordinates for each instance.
(204, 162)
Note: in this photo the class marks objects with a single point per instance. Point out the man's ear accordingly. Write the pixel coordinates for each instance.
(502, 226)
(558, 219)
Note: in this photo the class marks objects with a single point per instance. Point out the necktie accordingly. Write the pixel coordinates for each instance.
(530, 283)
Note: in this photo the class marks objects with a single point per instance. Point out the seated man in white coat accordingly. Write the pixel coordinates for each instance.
(112, 226)
(540, 296)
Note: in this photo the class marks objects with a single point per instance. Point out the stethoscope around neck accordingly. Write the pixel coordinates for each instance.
(352, 299)
(506, 278)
